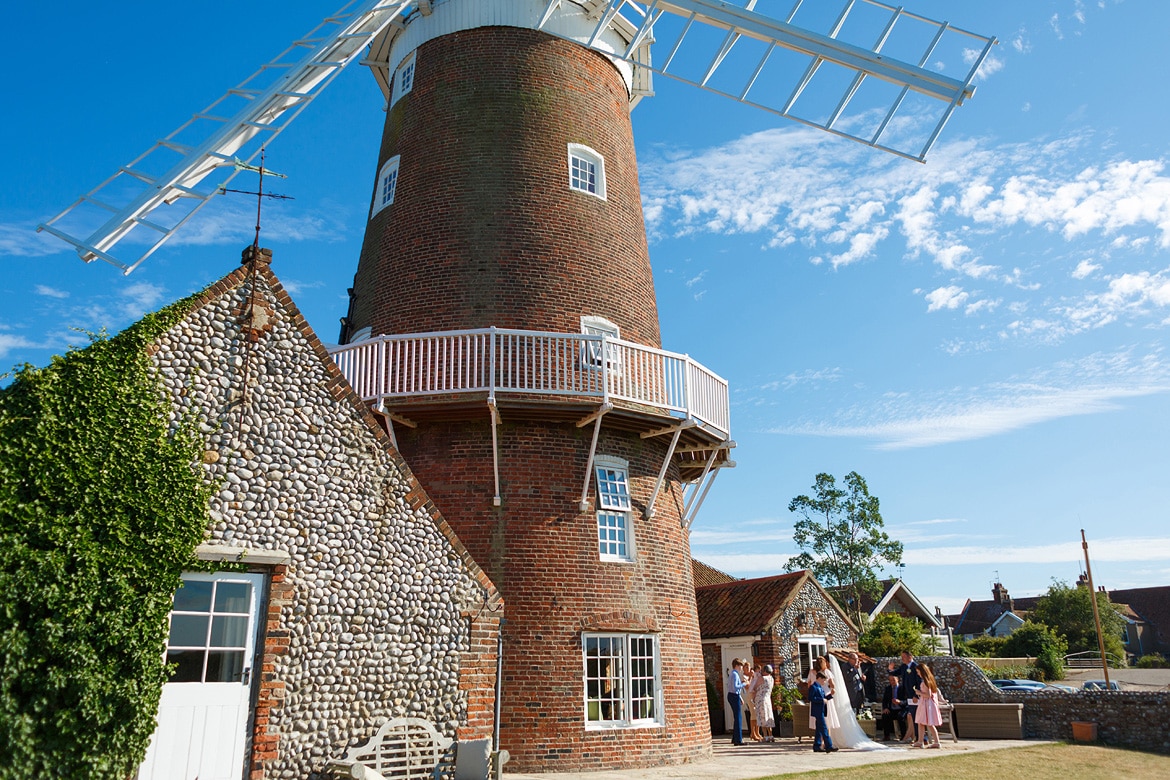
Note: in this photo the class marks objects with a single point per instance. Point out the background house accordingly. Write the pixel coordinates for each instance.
(896, 598)
(785, 621)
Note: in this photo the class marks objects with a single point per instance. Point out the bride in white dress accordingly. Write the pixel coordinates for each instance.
(848, 733)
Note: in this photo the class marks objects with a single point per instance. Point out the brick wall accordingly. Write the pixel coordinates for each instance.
(484, 229)
(542, 554)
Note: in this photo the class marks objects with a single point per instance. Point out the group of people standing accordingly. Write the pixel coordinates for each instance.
(836, 693)
(912, 702)
(752, 688)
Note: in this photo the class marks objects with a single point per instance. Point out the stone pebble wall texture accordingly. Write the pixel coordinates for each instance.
(377, 613)
(1133, 719)
(820, 619)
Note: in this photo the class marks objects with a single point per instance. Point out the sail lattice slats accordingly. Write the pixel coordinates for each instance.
(861, 69)
(165, 186)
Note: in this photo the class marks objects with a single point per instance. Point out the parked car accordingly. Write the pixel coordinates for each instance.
(1059, 687)
(1099, 685)
(1017, 685)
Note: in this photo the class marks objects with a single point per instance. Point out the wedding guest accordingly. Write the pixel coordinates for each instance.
(893, 710)
(929, 714)
(735, 686)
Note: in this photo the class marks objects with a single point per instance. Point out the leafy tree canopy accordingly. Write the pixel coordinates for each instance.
(891, 634)
(1038, 641)
(841, 538)
(1069, 612)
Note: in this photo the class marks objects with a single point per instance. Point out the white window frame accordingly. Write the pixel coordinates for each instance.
(591, 353)
(632, 696)
(586, 158)
(615, 517)
(382, 198)
(805, 644)
(403, 79)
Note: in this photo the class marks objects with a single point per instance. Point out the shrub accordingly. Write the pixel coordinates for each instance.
(1152, 661)
(101, 507)
(1042, 643)
(891, 634)
(986, 646)
(782, 699)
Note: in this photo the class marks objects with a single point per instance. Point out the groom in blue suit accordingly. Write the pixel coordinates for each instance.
(817, 700)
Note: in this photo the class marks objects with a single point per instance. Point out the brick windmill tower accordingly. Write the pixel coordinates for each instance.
(503, 316)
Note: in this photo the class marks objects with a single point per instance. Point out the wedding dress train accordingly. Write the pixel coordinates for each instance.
(849, 735)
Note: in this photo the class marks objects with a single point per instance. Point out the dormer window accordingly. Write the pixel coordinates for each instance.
(591, 355)
(586, 170)
(387, 184)
(403, 79)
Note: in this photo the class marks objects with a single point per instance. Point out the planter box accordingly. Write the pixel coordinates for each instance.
(782, 728)
(868, 726)
(1084, 732)
(989, 721)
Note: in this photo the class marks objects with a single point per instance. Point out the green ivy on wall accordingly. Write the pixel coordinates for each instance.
(101, 508)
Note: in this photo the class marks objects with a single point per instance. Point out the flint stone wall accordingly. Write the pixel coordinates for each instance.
(1133, 719)
(379, 612)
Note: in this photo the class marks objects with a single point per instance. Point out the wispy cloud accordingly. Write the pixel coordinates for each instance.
(21, 239)
(1096, 384)
(841, 204)
(9, 342)
(1111, 550)
(50, 292)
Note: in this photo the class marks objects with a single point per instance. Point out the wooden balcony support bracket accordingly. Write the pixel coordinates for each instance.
(710, 471)
(595, 418)
(496, 501)
(391, 418)
(677, 431)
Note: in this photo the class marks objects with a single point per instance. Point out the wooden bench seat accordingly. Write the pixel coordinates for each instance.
(413, 749)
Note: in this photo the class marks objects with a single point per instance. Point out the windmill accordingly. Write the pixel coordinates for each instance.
(503, 319)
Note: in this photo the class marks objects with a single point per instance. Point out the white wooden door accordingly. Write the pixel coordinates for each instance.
(203, 715)
(730, 653)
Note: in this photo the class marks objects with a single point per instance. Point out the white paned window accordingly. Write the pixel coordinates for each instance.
(622, 680)
(403, 79)
(811, 648)
(614, 538)
(387, 184)
(591, 355)
(586, 170)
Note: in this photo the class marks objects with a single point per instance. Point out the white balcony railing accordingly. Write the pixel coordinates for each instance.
(496, 360)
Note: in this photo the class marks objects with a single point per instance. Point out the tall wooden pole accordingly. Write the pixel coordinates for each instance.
(1096, 612)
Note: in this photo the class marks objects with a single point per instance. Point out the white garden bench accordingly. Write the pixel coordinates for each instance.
(412, 749)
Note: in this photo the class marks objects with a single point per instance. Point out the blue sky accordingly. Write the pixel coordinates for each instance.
(981, 337)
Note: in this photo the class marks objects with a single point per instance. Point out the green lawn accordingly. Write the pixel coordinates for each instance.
(1039, 762)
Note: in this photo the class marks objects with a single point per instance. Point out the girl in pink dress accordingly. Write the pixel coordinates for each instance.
(928, 715)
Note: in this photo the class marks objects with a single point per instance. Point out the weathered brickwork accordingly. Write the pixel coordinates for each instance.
(380, 611)
(1134, 719)
(484, 229)
(543, 555)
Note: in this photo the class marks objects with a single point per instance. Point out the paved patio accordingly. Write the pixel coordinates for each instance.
(755, 760)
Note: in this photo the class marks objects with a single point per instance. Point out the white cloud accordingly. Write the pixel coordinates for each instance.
(1095, 384)
(946, 298)
(139, 298)
(966, 210)
(9, 342)
(50, 292)
(19, 239)
(1084, 269)
(1103, 550)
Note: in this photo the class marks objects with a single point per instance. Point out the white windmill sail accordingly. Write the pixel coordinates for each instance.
(885, 89)
(217, 142)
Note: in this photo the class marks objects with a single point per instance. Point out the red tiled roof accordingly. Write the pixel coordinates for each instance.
(745, 607)
(1153, 605)
(708, 575)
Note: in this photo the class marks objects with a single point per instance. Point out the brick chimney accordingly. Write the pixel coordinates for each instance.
(1000, 595)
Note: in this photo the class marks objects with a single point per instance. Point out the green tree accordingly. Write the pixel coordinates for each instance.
(1069, 612)
(840, 534)
(1042, 643)
(982, 647)
(890, 634)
